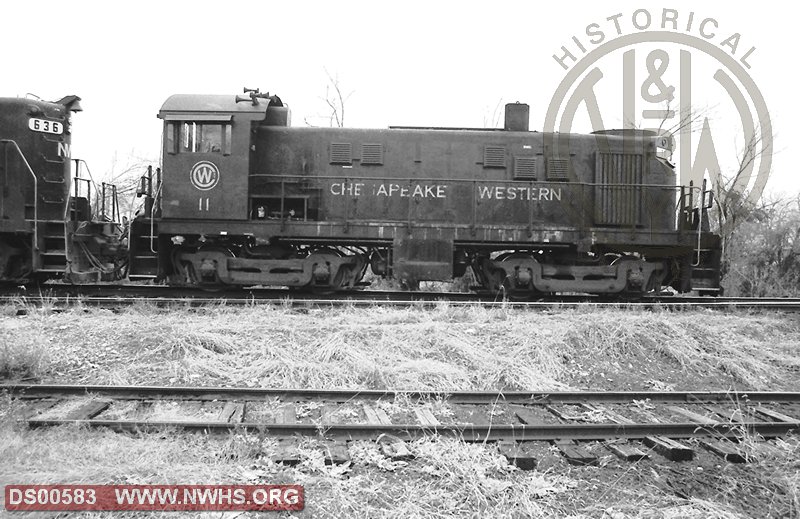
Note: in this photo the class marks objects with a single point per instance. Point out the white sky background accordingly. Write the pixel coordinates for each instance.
(406, 63)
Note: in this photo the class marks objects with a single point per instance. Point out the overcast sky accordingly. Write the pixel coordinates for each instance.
(406, 63)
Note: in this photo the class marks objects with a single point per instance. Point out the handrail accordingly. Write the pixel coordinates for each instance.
(77, 190)
(399, 180)
(67, 255)
(78, 162)
(111, 194)
(700, 211)
(152, 216)
(682, 191)
(90, 181)
(35, 192)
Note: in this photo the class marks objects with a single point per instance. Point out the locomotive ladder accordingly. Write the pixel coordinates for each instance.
(143, 244)
(143, 238)
(705, 267)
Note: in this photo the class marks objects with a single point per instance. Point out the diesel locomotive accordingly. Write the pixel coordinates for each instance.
(242, 198)
(55, 222)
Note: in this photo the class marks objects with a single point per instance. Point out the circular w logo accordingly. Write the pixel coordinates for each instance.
(204, 175)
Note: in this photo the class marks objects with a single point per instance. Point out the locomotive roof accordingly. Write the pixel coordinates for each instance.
(192, 103)
(35, 102)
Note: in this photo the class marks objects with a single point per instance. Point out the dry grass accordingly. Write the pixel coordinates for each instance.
(447, 348)
(24, 348)
(440, 349)
(448, 477)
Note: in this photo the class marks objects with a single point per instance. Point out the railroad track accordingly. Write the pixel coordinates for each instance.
(628, 424)
(106, 295)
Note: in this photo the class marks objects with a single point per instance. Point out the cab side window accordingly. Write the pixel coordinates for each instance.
(198, 137)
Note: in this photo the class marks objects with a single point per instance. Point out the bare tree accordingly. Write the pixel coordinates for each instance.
(335, 99)
(492, 119)
(732, 202)
(125, 174)
(763, 256)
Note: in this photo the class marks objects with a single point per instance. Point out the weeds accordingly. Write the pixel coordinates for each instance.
(440, 349)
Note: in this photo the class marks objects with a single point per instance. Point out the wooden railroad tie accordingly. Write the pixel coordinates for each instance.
(521, 454)
(667, 447)
(574, 453)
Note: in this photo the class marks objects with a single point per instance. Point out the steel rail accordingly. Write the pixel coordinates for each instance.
(107, 289)
(466, 432)
(38, 391)
(101, 293)
(120, 301)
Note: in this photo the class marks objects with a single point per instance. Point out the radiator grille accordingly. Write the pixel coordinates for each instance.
(494, 157)
(524, 168)
(372, 153)
(618, 194)
(557, 169)
(341, 153)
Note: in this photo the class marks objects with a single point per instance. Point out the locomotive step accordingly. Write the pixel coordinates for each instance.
(706, 289)
(144, 270)
(144, 262)
(141, 277)
(53, 242)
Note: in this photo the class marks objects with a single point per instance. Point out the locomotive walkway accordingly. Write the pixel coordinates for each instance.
(630, 425)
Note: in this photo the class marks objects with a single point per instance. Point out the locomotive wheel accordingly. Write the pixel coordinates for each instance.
(216, 285)
(646, 287)
(189, 274)
(510, 288)
(336, 281)
(348, 275)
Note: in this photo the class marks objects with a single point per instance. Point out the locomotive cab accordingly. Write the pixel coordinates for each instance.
(206, 152)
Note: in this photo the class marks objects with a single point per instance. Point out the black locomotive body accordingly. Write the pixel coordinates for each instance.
(246, 199)
(48, 228)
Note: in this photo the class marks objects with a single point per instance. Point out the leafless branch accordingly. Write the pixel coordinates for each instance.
(493, 120)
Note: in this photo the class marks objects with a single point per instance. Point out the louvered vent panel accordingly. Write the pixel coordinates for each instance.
(494, 157)
(524, 168)
(341, 153)
(372, 153)
(557, 169)
(618, 194)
